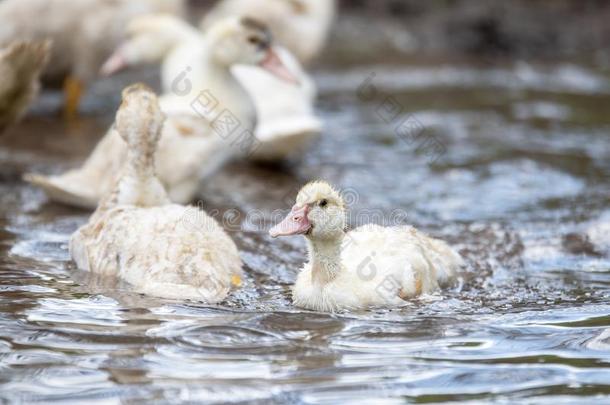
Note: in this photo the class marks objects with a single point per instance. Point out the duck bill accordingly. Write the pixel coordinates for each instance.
(274, 65)
(115, 63)
(296, 223)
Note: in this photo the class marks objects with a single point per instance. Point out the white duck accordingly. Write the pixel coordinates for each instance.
(301, 26)
(20, 66)
(84, 34)
(285, 120)
(136, 234)
(371, 266)
(196, 134)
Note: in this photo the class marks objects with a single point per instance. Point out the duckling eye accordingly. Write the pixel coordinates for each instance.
(253, 40)
(323, 203)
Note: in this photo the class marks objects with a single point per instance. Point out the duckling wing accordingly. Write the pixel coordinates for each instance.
(398, 262)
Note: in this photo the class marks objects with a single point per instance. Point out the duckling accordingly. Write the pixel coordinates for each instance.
(371, 266)
(20, 66)
(84, 33)
(285, 120)
(196, 134)
(137, 234)
(301, 26)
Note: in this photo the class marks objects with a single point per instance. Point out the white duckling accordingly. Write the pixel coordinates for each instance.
(301, 26)
(21, 64)
(371, 266)
(136, 234)
(285, 120)
(206, 115)
(84, 34)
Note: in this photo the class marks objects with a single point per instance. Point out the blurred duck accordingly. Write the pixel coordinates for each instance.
(136, 234)
(371, 266)
(301, 26)
(84, 34)
(21, 64)
(193, 144)
(285, 121)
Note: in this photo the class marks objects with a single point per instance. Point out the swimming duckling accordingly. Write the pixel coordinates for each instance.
(371, 266)
(137, 234)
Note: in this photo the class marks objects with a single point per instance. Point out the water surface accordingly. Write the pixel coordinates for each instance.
(517, 181)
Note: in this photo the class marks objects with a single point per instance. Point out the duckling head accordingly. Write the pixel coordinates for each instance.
(246, 41)
(139, 119)
(149, 39)
(319, 214)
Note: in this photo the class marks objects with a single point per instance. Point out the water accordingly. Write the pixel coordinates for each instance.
(519, 184)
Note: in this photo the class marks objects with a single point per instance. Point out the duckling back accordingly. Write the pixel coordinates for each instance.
(170, 252)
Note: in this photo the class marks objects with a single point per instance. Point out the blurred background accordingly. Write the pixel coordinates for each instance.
(538, 30)
(484, 123)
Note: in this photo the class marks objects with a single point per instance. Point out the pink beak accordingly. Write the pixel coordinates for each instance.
(296, 223)
(274, 65)
(114, 64)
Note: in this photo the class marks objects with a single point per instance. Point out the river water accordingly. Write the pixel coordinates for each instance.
(509, 163)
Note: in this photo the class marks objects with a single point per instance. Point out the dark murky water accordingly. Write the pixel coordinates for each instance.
(517, 178)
